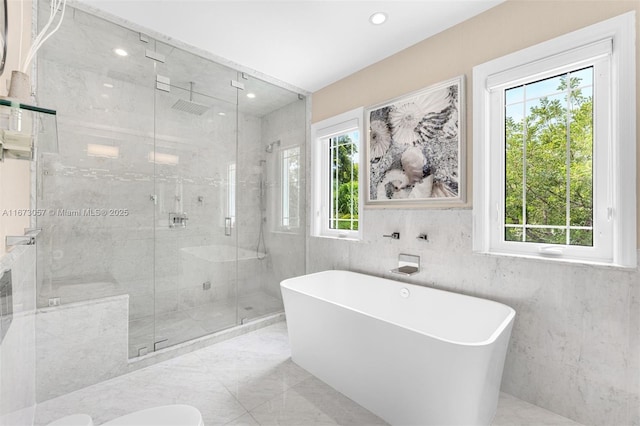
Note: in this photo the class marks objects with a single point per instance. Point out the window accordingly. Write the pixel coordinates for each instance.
(548, 175)
(336, 187)
(343, 181)
(554, 163)
(290, 188)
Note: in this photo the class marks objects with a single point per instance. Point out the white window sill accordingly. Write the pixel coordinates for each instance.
(576, 262)
(336, 237)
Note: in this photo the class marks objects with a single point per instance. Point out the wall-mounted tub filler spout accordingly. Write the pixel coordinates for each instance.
(393, 236)
(408, 264)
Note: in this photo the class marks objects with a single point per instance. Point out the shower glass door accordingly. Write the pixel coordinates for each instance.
(195, 202)
(185, 202)
(271, 195)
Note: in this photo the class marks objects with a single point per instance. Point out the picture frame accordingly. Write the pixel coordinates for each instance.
(415, 148)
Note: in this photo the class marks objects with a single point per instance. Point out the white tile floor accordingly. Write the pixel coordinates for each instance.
(248, 380)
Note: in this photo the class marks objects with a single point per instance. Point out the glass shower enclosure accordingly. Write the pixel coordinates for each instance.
(177, 180)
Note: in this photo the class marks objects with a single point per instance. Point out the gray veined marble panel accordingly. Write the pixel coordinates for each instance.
(18, 348)
(574, 347)
(80, 344)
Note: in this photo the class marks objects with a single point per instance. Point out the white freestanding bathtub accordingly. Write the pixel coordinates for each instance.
(410, 354)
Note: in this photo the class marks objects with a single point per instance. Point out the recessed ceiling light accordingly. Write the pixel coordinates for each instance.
(251, 95)
(378, 18)
(108, 85)
(221, 114)
(120, 52)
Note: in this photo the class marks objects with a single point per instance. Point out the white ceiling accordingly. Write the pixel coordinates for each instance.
(306, 43)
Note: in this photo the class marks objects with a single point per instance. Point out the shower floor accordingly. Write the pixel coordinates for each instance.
(188, 324)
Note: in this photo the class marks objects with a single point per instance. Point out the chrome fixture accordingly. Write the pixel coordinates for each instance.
(178, 220)
(269, 147)
(393, 236)
(152, 54)
(155, 345)
(237, 85)
(28, 239)
(190, 106)
(423, 237)
(163, 83)
(227, 226)
(262, 211)
(408, 264)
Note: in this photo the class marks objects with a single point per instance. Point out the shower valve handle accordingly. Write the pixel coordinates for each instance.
(227, 226)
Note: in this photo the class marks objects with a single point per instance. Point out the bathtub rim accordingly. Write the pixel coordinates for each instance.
(491, 339)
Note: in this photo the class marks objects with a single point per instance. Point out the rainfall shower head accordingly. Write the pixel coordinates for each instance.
(269, 147)
(190, 106)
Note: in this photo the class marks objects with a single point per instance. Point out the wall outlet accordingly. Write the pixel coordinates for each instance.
(206, 285)
(54, 301)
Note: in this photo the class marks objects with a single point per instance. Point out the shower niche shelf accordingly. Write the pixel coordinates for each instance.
(22, 126)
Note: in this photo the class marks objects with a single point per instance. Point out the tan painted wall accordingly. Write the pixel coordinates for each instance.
(511, 26)
(15, 181)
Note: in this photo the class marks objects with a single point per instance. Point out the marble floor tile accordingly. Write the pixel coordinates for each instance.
(253, 388)
(513, 411)
(246, 381)
(244, 420)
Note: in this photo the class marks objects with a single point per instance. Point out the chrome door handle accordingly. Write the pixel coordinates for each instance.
(227, 226)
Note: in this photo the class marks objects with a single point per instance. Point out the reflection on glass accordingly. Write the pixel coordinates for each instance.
(290, 208)
(106, 151)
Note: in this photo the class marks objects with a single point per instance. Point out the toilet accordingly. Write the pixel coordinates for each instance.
(166, 415)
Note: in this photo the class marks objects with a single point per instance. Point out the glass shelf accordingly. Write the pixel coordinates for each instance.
(23, 127)
(25, 107)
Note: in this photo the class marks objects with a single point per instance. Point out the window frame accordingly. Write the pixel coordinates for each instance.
(609, 45)
(321, 132)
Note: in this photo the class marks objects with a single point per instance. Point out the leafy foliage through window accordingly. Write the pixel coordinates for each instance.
(344, 163)
(549, 159)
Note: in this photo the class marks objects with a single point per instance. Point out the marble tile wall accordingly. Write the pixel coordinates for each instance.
(80, 344)
(286, 248)
(574, 348)
(18, 349)
(116, 249)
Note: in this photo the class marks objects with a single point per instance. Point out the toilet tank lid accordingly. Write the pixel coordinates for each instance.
(166, 415)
